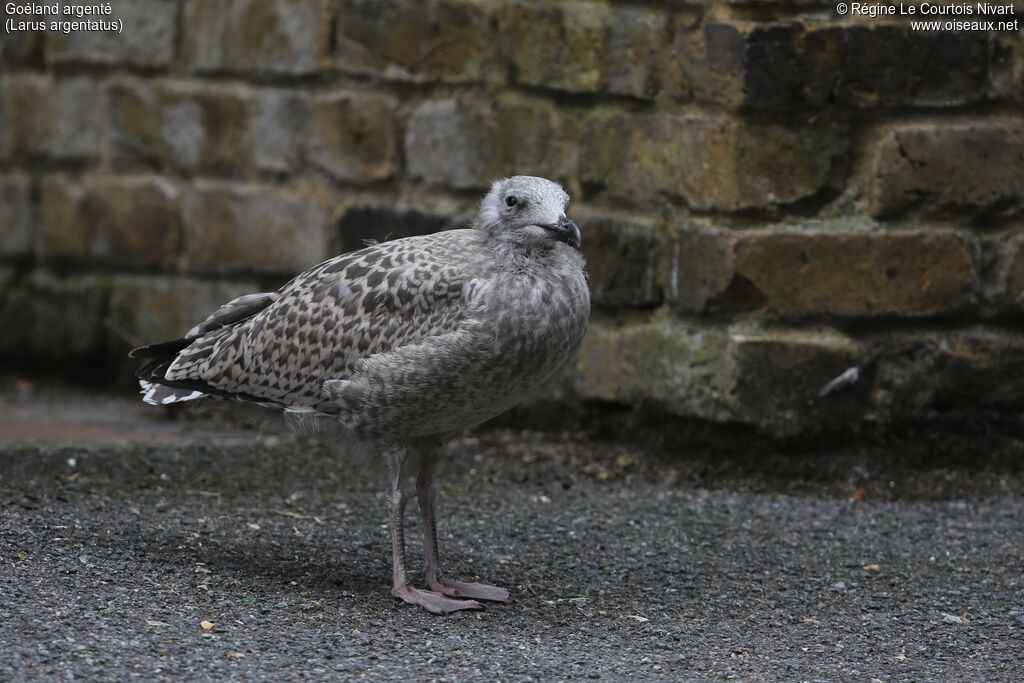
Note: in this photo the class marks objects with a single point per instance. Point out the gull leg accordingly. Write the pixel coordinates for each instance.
(429, 600)
(426, 492)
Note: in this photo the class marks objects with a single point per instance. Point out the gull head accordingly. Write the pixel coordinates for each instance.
(528, 211)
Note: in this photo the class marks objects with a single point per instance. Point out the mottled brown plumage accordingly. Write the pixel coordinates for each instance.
(404, 343)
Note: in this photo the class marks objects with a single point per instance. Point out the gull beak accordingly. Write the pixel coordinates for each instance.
(565, 231)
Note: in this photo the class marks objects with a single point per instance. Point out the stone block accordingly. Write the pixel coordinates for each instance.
(133, 221)
(231, 228)
(16, 216)
(584, 47)
(910, 273)
(147, 39)
(777, 374)
(928, 375)
(1006, 67)
(766, 378)
(620, 257)
(710, 163)
(892, 65)
(287, 37)
(361, 223)
(353, 136)
(467, 144)
(48, 317)
(56, 119)
(154, 309)
(786, 64)
(682, 369)
(23, 46)
(1014, 282)
(445, 40)
(975, 167)
(350, 136)
(181, 127)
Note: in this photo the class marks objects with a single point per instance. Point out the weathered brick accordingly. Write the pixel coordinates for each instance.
(349, 136)
(353, 136)
(361, 223)
(760, 377)
(681, 368)
(184, 127)
(16, 219)
(147, 38)
(620, 259)
(129, 221)
(970, 370)
(784, 65)
(23, 46)
(887, 65)
(960, 167)
(777, 374)
(53, 118)
(910, 273)
(431, 40)
(47, 317)
(1013, 288)
(253, 228)
(1006, 72)
(583, 46)
(710, 163)
(261, 36)
(153, 309)
(467, 144)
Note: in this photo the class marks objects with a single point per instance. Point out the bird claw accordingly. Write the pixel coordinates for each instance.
(432, 601)
(476, 591)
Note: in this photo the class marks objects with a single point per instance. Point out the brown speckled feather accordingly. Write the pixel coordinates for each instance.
(355, 305)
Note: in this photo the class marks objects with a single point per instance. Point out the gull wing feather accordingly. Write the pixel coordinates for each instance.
(323, 322)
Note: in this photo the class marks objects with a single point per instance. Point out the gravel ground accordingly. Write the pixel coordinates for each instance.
(118, 552)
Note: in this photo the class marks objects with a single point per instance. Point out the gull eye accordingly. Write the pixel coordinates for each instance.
(511, 200)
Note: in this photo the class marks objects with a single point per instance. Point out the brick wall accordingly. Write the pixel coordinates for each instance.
(769, 193)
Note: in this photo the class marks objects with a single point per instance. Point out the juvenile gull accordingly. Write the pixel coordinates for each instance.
(405, 343)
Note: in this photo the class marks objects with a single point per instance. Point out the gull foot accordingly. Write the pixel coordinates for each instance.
(476, 591)
(432, 601)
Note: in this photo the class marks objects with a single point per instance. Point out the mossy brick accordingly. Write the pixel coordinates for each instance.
(789, 273)
(446, 40)
(780, 65)
(710, 163)
(620, 256)
(52, 118)
(350, 136)
(682, 369)
(584, 47)
(130, 221)
(46, 317)
(155, 308)
(286, 37)
(179, 126)
(748, 375)
(147, 39)
(230, 228)
(17, 224)
(967, 167)
(464, 143)
(941, 373)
